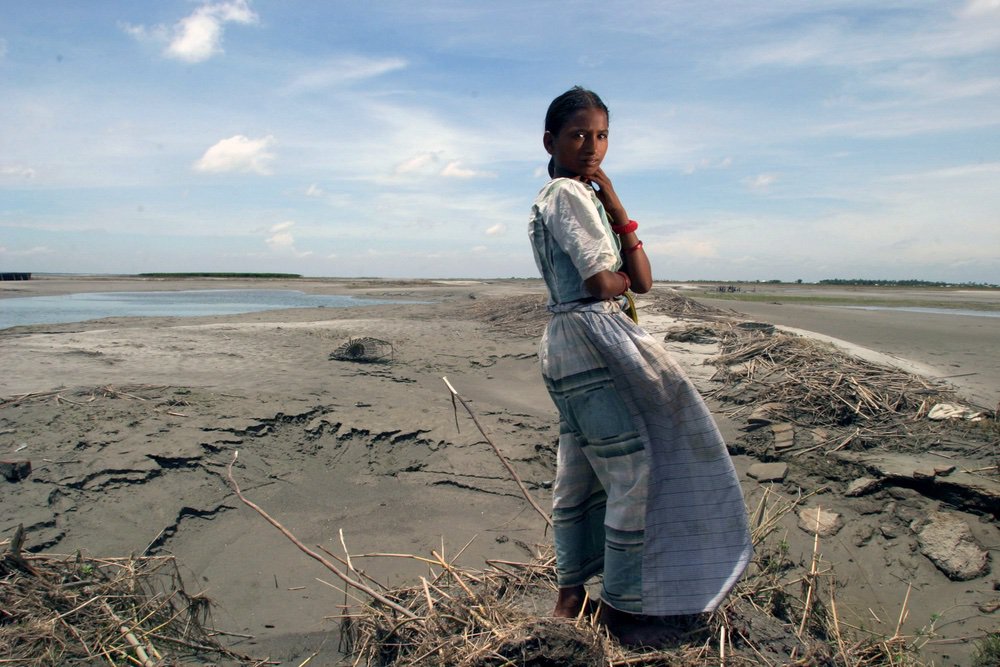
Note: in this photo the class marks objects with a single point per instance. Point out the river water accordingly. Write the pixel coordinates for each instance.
(96, 305)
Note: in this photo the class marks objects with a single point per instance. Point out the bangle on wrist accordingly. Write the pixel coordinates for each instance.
(627, 228)
(631, 249)
(626, 280)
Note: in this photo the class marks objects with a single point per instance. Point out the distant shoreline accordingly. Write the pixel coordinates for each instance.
(740, 294)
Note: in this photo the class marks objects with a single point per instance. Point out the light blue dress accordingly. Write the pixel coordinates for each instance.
(645, 490)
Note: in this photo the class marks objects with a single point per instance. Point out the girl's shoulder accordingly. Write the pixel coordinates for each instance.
(568, 186)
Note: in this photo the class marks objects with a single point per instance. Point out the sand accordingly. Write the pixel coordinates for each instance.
(130, 422)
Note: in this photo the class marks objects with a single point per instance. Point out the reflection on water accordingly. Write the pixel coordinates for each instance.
(92, 306)
(930, 311)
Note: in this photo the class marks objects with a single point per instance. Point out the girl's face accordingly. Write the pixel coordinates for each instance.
(580, 146)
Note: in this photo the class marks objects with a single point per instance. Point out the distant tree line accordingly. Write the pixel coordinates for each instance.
(898, 283)
(220, 275)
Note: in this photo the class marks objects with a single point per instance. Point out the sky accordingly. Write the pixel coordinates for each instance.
(776, 140)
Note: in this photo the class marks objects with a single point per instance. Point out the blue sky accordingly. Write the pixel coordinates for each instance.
(752, 140)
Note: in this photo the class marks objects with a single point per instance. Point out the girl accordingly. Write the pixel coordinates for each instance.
(644, 489)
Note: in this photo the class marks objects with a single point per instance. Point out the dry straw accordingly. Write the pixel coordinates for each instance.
(71, 609)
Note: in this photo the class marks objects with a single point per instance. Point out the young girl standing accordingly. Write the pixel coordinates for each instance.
(645, 490)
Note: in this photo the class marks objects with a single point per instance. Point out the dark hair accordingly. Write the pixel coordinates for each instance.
(567, 104)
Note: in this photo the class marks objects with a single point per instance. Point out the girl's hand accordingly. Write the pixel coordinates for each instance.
(606, 193)
(635, 264)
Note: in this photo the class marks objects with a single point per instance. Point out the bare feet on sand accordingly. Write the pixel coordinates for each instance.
(629, 629)
(638, 630)
(570, 602)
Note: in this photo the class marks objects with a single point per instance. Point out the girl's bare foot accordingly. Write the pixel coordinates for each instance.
(651, 631)
(570, 602)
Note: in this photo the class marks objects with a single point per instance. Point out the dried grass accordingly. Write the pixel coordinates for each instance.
(778, 615)
(62, 609)
(819, 384)
(775, 377)
(524, 316)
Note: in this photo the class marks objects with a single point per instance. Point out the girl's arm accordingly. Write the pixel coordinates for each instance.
(608, 284)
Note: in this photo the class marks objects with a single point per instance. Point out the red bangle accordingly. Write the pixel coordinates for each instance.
(632, 249)
(628, 281)
(627, 228)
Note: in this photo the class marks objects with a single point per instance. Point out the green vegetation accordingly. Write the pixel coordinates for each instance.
(220, 275)
(864, 282)
(987, 651)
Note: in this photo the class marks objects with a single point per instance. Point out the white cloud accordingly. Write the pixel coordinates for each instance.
(686, 248)
(238, 153)
(282, 242)
(706, 163)
(416, 163)
(454, 169)
(987, 169)
(343, 70)
(141, 33)
(198, 36)
(498, 229)
(314, 191)
(18, 171)
(760, 181)
(981, 7)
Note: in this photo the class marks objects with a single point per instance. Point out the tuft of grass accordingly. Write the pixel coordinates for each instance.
(987, 653)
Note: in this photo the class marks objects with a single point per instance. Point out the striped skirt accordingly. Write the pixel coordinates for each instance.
(645, 491)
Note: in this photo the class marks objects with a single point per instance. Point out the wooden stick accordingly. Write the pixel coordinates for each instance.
(903, 611)
(836, 624)
(427, 594)
(140, 651)
(811, 578)
(375, 595)
(524, 490)
(360, 573)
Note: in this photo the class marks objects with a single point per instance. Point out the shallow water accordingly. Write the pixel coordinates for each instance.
(67, 308)
(930, 311)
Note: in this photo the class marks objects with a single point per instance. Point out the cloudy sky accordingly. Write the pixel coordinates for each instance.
(752, 140)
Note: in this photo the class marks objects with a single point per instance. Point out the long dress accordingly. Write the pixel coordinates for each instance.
(645, 490)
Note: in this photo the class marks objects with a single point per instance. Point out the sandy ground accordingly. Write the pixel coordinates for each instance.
(131, 422)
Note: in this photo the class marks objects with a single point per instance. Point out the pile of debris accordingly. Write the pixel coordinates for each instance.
(58, 610)
(514, 315)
